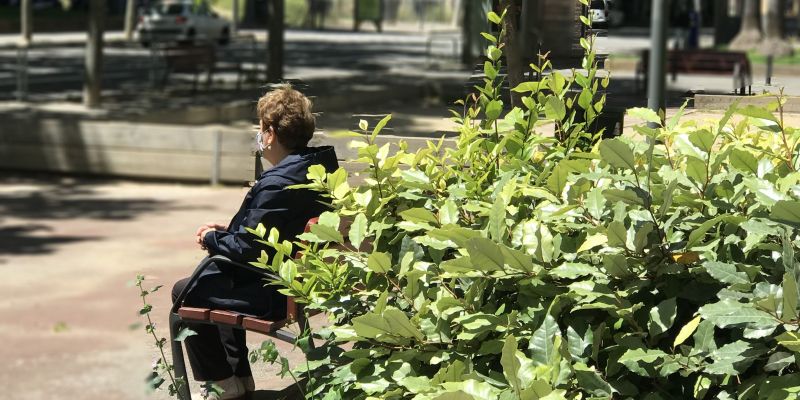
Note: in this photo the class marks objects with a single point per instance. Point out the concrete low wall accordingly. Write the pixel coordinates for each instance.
(722, 102)
(74, 145)
(77, 145)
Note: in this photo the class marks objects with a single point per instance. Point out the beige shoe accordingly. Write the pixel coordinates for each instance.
(231, 389)
(249, 383)
(249, 386)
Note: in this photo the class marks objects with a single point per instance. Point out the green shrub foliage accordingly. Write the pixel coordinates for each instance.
(517, 265)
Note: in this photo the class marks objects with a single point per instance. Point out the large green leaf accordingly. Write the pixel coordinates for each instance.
(642, 361)
(497, 220)
(555, 109)
(645, 114)
(743, 161)
(591, 381)
(485, 254)
(662, 316)
(617, 154)
(358, 230)
(778, 361)
(789, 297)
(511, 365)
(686, 331)
(541, 343)
(419, 215)
(729, 312)
(704, 337)
(699, 234)
(757, 112)
(786, 211)
(789, 340)
(725, 272)
(734, 358)
(593, 241)
(703, 139)
(379, 262)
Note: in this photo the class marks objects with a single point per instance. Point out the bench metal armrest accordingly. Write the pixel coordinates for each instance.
(207, 262)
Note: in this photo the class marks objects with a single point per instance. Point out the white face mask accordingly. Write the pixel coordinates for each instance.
(260, 141)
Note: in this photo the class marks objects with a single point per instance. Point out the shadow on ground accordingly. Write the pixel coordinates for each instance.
(23, 239)
(66, 198)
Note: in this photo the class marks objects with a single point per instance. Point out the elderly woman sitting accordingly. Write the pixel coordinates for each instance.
(219, 354)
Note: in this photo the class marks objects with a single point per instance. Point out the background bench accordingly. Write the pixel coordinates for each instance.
(194, 59)
(710, 62)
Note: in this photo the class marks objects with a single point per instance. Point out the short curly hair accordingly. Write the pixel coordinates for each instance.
(288, 112)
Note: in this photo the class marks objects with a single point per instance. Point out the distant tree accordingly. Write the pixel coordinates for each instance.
(275, 40)
(749, 35)
(512, 47)
(775, 43)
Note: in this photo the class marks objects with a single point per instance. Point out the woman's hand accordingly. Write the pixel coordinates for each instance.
(203, 229)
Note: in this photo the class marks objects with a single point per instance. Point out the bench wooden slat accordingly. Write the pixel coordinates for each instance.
(193, 313)
(261, 325)
(226, 317)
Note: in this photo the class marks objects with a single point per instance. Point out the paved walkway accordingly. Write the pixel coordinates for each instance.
(69, 252)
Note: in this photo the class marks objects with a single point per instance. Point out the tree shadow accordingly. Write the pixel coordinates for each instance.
(289, 393)
(28, 239)
(57, 198)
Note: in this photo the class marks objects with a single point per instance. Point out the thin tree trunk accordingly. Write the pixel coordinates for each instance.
(775, 43)
(749, 34)
(130, 19)
(466, 33)
(512, 50)
(26, 21)
(275, 41)
(94, 54)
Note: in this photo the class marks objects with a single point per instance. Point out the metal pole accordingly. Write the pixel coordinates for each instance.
(235, 19)
(216, 166)
(26, 21)
(130, 19)
(656, 84)
(770, 60)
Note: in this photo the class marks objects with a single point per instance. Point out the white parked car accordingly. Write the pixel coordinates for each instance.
(598, 13)
(182, 21)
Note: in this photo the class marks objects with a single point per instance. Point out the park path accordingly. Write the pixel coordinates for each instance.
(69, 252)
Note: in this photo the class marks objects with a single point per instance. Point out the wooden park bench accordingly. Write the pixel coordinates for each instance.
(711, 62)
(245, 57)
(194, 59)
(180, 316)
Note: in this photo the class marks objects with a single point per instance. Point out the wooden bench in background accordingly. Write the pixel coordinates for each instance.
(180, 316)
(194, 59)
(705, 61)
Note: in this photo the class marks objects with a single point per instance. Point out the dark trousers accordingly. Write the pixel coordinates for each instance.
(217, 352)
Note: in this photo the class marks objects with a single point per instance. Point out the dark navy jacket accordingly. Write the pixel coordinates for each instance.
(269, 202)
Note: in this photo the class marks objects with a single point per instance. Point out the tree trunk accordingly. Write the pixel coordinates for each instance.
(275, 41)
(466, 33)
(774, 43)
(749, 35)
(26, 21)
(512, 48)
(130, 19)
(94, 54)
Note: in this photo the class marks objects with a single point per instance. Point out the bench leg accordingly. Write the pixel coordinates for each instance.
(178, 364)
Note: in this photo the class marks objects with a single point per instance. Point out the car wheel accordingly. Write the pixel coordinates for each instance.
(225, 37)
